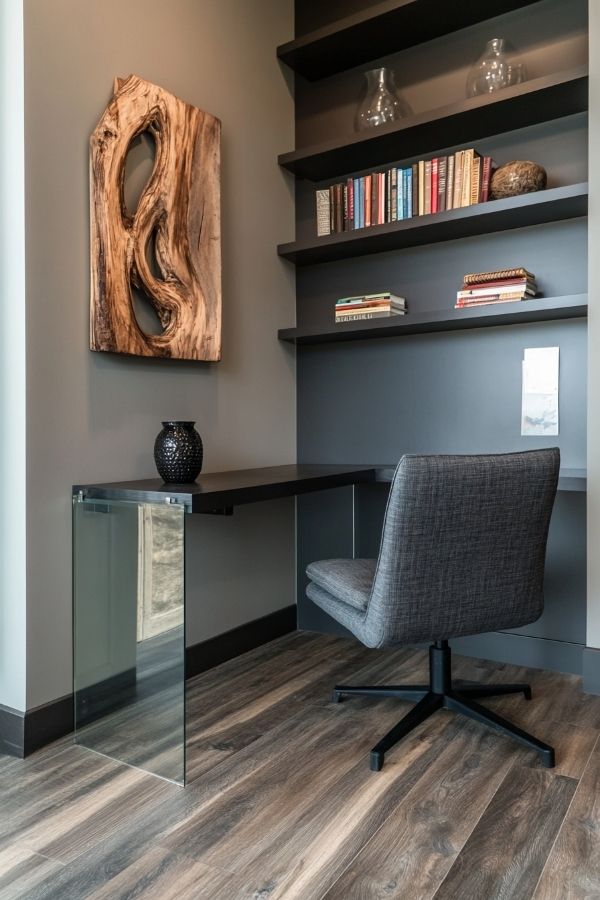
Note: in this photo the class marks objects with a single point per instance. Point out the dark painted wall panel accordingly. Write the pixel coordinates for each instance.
(371, 401)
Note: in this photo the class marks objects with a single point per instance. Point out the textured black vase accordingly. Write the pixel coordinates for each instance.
(178, 452)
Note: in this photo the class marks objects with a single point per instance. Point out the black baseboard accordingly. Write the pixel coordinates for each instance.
(23, 733)
(207, 654)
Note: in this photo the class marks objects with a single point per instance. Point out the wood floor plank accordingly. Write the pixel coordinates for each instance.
(572, 871)
(415, 847)
(21, 869)
(506, 852)
(161, 875)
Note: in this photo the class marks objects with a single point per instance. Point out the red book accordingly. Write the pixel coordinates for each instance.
(368, 188)
(381, 206)
(350, 204)
(486, 174)
(434, 184)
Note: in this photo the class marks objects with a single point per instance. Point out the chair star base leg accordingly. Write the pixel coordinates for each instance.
(442, 693)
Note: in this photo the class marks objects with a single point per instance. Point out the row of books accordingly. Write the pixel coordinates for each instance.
(498, 286)
(369, 306)
(428, 186)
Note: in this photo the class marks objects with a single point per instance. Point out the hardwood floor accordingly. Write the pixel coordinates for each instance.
(283, 805)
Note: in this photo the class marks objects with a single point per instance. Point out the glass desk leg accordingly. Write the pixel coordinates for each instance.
(129, 632)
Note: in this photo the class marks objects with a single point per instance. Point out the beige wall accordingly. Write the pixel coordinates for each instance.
(93, 417)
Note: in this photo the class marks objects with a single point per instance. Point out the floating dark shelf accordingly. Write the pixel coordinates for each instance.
(551, 205)
(388, 27)
(544, 309)
(535, 101)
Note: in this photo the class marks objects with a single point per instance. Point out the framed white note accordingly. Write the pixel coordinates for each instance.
(539, 403)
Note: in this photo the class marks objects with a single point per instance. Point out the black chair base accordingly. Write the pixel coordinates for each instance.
(442, 693)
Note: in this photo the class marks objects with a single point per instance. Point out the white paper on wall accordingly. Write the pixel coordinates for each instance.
(539, 404)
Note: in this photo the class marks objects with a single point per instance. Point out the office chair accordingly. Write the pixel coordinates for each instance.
(462, 552)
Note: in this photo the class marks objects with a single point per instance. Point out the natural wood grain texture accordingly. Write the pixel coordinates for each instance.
(285, 802)
(161, 875)
(506, 852)
(417, 844)
(21, 869)
(572, 871)
(177, 222)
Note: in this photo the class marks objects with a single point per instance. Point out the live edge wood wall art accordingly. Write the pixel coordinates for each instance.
(170, 248)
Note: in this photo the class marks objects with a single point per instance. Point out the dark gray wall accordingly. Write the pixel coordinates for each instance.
(371, 401)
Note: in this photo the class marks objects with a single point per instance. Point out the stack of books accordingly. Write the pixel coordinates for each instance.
(501, 286)
(369, 306)
(428, 186)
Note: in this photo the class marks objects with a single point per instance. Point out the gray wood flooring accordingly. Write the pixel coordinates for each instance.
(283, 805)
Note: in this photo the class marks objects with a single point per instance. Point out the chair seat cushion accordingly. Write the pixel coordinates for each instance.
(348, 580)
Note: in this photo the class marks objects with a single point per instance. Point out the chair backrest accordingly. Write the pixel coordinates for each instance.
(463, 546)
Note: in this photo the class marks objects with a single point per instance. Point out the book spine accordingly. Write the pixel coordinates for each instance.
(450, 182)
(442, 172)
(356, 202)
(374, 197)
(382, 199)
(400, 196)
(486, 173)
(368, 189)
(421, 187)
(434, 184)
(350, 203)
(415, 189)
(404, 174)
(498, 275)
(409, 173)
(332, 209)
(466, 178)
(394, 195)
(339, 208)
(323, 213)
(475, 180)
(457, 194)
(346, 222)
(427, 178)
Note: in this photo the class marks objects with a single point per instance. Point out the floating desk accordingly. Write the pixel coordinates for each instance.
(129, 549)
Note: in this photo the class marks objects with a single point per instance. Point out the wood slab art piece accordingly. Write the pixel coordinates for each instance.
(170, 248)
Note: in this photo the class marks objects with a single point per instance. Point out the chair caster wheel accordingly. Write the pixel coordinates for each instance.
(336, 697)
(527, 693)
(377, 760)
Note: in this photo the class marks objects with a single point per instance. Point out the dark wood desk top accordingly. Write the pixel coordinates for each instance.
(216, 491)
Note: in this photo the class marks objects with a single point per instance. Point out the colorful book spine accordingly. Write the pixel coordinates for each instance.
(409, 192)
(434, 184)
(450, 183)
(394, 195)
(323, 212)
(442, 175)
(400, 199)
(421, 177)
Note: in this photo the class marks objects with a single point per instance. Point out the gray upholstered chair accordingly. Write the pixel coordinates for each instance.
(462, 552)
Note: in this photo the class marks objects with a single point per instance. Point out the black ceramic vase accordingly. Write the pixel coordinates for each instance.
(178, 452)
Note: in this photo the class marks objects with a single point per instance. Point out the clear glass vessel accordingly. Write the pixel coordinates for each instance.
(494, 70)
(381, 103)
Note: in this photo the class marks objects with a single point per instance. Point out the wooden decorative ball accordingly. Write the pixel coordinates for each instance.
(518, 177)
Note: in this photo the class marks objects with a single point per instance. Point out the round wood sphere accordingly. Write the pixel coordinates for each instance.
(518, 177)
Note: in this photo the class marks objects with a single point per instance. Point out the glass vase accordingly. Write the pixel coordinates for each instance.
(381, 103)
(494, 71)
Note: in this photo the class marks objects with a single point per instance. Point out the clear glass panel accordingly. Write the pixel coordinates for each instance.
(129, 633)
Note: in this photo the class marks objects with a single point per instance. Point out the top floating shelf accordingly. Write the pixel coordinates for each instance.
(388, 27)
(538, 100)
